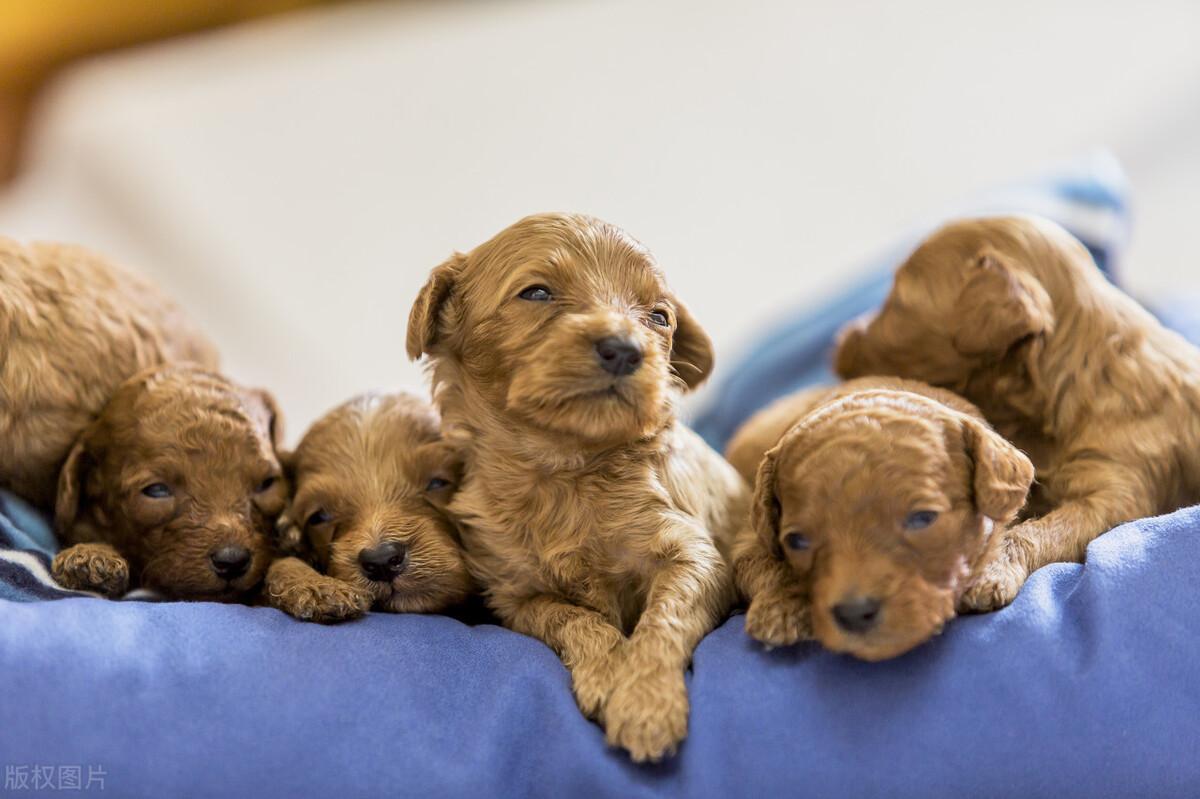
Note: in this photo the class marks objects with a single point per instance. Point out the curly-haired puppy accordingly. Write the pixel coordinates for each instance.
(874, 507)
(1013, 314)
(175, 487)
(372, 479)
(73, 327)
(594, 520)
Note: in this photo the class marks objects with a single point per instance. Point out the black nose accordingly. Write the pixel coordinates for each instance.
(618, 356)
(383, 562)
(230, 563)
(857, 615)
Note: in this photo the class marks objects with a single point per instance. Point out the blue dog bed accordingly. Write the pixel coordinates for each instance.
(1087, 685)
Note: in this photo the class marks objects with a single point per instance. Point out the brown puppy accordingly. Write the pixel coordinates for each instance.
(72, 328)
(594, 520)
(1013, 314)
(372, 479)
(874, 507)
(174, 487)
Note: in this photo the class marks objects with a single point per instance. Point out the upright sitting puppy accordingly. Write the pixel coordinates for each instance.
(372, 479)
(594, 520)
(874, 507)
(1013, 314)
(73, 327)
(175, 486)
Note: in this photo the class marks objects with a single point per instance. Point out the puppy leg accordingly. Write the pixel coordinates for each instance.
(778, 612)
(589, 646)
(299, 590)
(92, 567)
(647, 713)
(1061, 535)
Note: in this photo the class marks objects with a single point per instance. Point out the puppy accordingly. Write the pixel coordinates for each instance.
(594, 520)
(874, 506)
(372, 479)
(175, 487)
(1012, 313)
(73, 327)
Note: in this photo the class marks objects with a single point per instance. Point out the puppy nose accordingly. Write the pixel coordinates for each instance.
(618, 356)
(383, 562)
(230, 563)
(857, 615)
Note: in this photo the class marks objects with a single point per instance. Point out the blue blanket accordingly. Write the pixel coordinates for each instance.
(1088, 685)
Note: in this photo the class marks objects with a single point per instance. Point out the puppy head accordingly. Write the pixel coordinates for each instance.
(563, 323)
(179, 473)
(372, 479)
(968, 298)
(882, 502)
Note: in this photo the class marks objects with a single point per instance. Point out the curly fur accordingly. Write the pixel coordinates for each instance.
(367, 465)
(844, 467)
(1012, 313)
(594, 521)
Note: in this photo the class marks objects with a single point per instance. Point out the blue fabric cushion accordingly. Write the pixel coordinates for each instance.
(1086, 686)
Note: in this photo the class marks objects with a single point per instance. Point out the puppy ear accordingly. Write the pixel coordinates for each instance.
(849, 355)
(1000, 306)
(265, 411)
(764, 507)
(72, 485)
(1003, 474)
(425, 316)
(691, 348)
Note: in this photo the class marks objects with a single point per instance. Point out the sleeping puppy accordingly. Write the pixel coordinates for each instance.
(174, 487)
(594, 520)
(372, 479)
(874, 507)
(73, 328)
(1012, 313)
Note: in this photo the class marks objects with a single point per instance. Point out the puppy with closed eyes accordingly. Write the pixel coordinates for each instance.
(875, 504)
(1012, 313)
(593, 519)
(371, 479)
(175, 487)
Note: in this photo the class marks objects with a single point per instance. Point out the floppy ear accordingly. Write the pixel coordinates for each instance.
(999, 307)
(72, 484)
(265, 411)
(764, 507)
(691, 348)
(1003, 474)
(426, 312)
(849, 357)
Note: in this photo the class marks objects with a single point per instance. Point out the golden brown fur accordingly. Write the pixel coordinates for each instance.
(373, 471)
(1012, 313)
(843, 471)
(175, 486)
(73, 327)
(593, 519)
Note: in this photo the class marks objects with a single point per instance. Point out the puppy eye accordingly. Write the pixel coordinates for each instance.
(157, 491)
(660, 318)
(919, 520)
(536, 294)
(265, 485)
(437, 484)
(318, 517)
(797, 542)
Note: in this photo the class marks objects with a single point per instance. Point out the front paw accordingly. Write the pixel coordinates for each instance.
(593, 681)
(92, 567)
(996, 586)
(647, 713)
(319, 598)
(778, 619)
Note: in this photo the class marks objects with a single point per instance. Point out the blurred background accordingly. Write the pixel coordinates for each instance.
(291, 170)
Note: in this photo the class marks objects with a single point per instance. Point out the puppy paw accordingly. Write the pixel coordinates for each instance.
(593, 681)
(647, 713)
(778, 619)
(92, 567)
(996, 586)
(319, 598)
